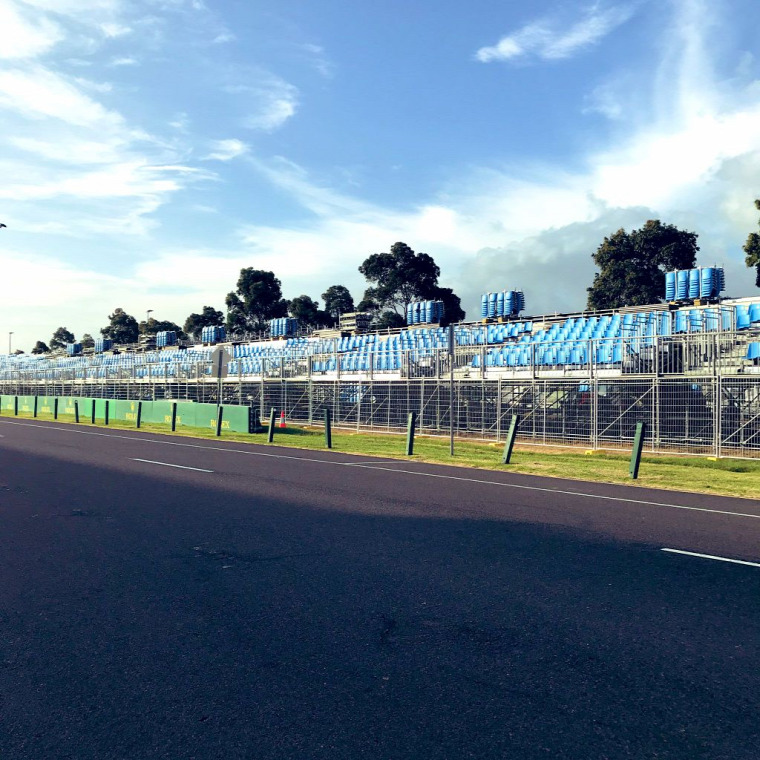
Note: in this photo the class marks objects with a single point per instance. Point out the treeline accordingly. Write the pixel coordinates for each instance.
(395, 279)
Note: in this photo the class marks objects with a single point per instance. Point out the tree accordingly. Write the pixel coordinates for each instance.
(752, 249)
(18, 352)
(154, 326)
(452, 305)
(88, 341)
(337, 301)
(60, 338)
(209, 317)
(389, 320)
(40, 347)
(122, 327)
(258, 299)
(306, 311)
(632, 265)
(399, 277)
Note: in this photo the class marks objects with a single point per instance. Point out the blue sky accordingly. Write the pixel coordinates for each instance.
(151, 148)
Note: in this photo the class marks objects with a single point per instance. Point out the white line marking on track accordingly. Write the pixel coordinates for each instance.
(712, 556)
(166, 464)
(388, 469)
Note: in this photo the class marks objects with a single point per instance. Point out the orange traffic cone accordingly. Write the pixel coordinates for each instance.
(282, 420)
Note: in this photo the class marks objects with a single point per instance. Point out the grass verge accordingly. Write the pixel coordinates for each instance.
(727, 477)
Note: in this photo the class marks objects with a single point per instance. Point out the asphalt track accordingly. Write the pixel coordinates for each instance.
(274, 603)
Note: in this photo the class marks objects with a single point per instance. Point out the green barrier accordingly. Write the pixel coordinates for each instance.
(157, 412)
(237, 419)
(46, 406)
(66, 407)
(185, 414)
(26, 404)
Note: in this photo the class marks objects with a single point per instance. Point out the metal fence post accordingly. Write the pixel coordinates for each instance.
(412, 419)
(510, 442)
(638, 444)
(270, 433)
(328, 429)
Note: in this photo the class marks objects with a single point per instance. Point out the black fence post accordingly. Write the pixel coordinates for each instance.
(328, 429)
(410, 433)
(76, 411)
(139, 413)
(638, 445)
(510, 442)
(270, 434)
(55, 408)
(174, 416)
(219, 416)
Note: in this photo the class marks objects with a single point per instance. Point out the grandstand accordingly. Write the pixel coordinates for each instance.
(691, 369)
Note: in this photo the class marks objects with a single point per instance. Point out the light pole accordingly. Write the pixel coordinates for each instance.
(9, 342)
(147, 317)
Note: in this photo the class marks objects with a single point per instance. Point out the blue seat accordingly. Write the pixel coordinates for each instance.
(753, 351)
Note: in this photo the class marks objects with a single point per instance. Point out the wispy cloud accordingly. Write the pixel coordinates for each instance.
(126, 60)
(547, 39)
(226, 150)
(270, 100)
(24, 34)
(319, 60)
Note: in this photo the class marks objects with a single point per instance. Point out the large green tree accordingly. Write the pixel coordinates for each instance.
(337, 301)
(61, 337)
(257, 299)
(632, 265)
(401, 276)
(121, 327)
(752, 249)
(306, 310)
(88, 341)
(154, 326)
(40, 347)
(209, 317)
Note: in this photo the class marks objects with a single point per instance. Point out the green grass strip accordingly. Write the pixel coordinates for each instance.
(727, 477)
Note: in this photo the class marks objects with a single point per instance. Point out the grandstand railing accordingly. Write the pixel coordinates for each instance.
(705, 354)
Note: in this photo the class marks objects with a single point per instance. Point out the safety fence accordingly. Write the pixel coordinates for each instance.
(716, 416)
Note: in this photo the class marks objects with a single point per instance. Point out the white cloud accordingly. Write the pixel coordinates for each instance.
(272, 100)
(319, 60)
(226, 150)
(111, 29)
(37, 92)
(272, 114)
(124, 61)
(22, 35)
(544, 38)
